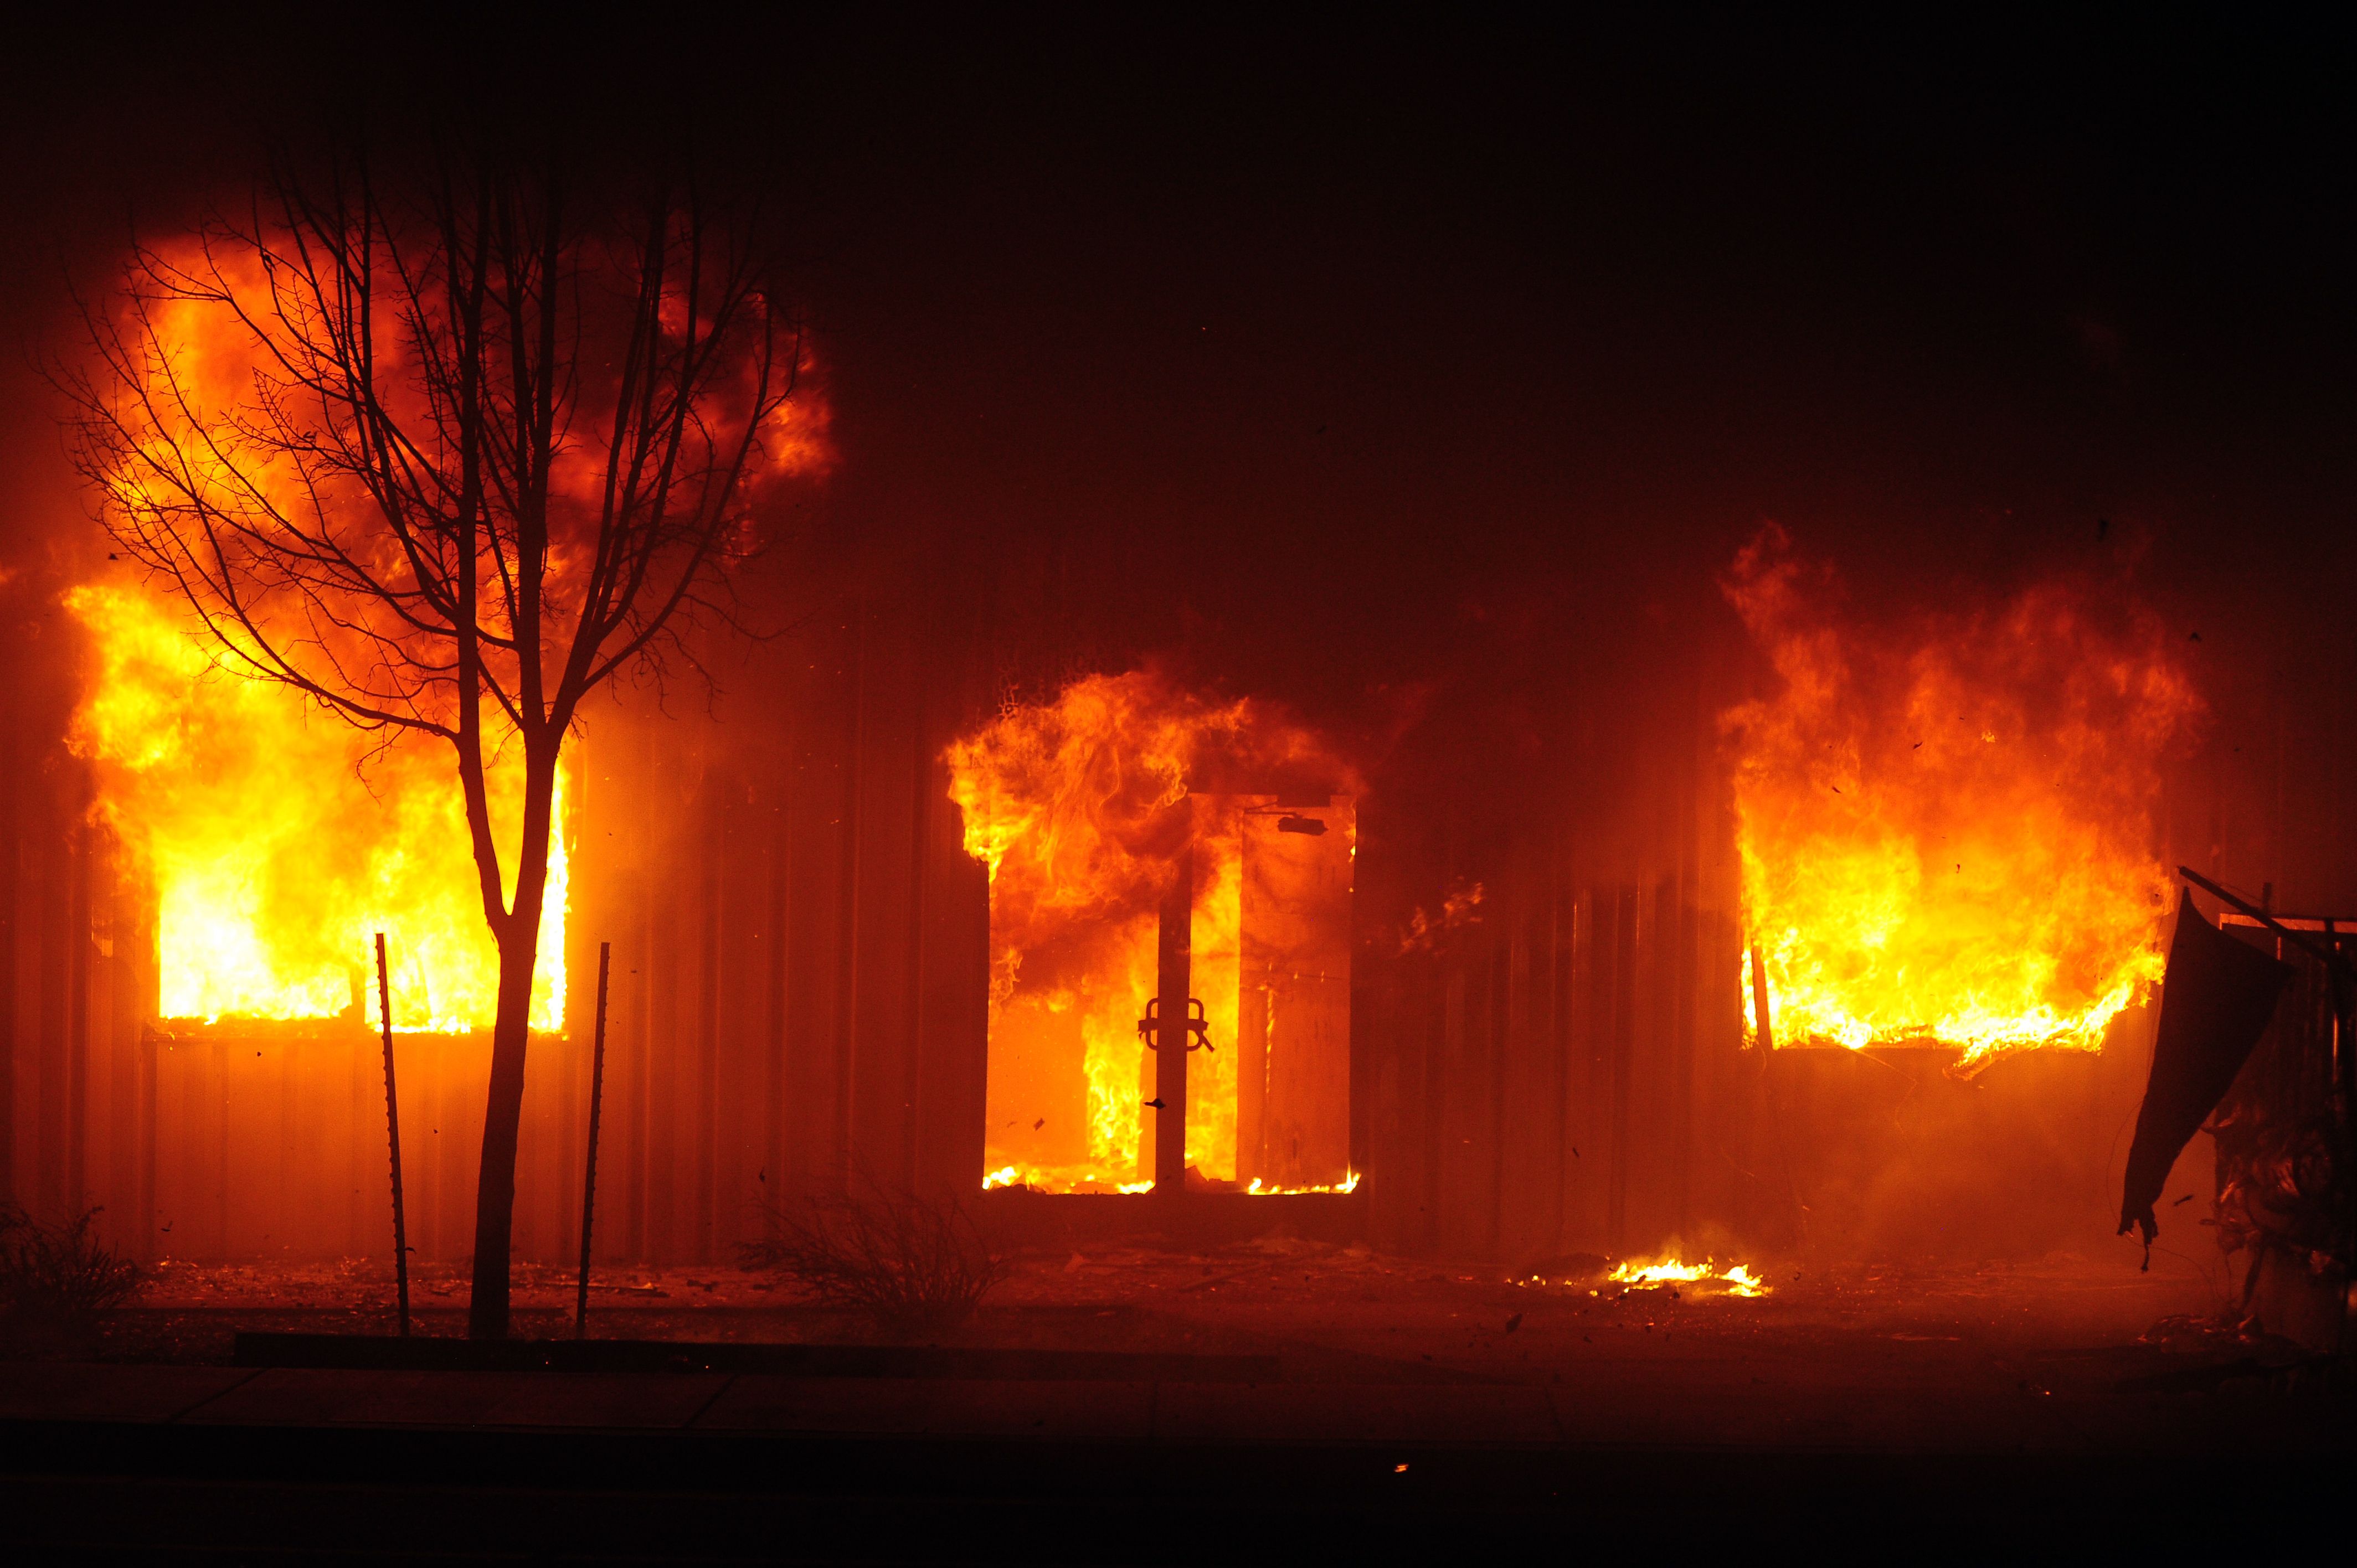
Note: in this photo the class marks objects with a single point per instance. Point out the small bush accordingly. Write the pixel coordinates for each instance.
(56, 1281)
(908, 1264)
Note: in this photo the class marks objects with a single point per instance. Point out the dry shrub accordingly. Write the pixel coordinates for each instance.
(56, 1281)
(908, 1264)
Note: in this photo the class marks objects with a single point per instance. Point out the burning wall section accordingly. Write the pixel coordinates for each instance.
(1946, 826)
(1081, 807)
(243, 844)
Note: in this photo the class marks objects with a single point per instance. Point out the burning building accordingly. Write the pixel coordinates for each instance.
(902, 940)
(1505, 854)
(1101, 816)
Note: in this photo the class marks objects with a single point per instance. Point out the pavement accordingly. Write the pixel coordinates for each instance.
(145, 1462)
(1279, 1401)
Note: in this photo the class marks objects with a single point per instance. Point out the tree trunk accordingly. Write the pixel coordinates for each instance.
(487, 1314)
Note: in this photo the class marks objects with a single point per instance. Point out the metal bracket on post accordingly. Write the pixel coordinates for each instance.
(1198, 1028)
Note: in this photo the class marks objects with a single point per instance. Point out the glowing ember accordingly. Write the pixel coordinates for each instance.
(1946, 833)
(278, 839)
(1078, 807)
(1039, 1179)
(1347, 1184)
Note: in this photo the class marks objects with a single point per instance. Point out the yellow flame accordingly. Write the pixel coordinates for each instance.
(1738, 1278)
(1347, 1184)
(279, 840)
(1945, 835)
(1076, 806)
(1040, 1178)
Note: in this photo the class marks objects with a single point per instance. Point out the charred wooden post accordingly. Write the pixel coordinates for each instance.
(1759, 1004)
(596, 1112)
(393, 1135)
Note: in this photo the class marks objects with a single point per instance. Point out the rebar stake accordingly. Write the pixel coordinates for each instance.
(393, 1135)
(589, 1178)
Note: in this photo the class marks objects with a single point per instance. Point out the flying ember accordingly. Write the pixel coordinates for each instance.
(1946, 827)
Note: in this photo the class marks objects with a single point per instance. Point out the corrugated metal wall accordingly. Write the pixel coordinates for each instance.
(798, 999)
(799, 989)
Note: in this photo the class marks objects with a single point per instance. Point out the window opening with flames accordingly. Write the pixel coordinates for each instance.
(1083, 808)
(277, 839)
(1946, 826)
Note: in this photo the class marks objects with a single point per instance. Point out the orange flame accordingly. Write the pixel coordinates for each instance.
(1736, 1278)
(1946, 833)
(1078, 807)
(277, 844)
(277, 838)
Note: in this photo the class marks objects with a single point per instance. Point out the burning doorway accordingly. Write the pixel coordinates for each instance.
(1166, 871)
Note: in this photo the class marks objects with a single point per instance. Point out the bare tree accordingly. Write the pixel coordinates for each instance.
(489, 441)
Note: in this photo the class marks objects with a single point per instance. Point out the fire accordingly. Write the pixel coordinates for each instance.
(1946, 831)
(1736, 1278)
(1078, 807)
(278, 839)
(1257, 1187)
(1037, 1179)
(317, 533)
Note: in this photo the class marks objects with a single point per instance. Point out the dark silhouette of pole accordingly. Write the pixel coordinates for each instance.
(1174, 972)
(596, 1107)
(393, 1135)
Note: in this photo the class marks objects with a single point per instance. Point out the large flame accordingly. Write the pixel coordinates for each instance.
(1078, 807)
(1946, 831)
(279, 839)
(276, 838)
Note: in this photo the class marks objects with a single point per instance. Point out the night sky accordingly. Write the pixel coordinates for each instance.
(1347, 358)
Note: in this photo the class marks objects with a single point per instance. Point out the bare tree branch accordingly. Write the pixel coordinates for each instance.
(443, 449)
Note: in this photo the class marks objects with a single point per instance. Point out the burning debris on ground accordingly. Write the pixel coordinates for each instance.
(999, 770)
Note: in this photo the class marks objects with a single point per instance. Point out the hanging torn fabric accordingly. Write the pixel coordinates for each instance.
(2215, 1000)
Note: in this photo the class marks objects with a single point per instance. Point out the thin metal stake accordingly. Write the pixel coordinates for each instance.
(596, 1106)
(393, 1134)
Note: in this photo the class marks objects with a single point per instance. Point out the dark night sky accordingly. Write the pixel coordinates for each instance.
(1376, 339)
(1583, 304)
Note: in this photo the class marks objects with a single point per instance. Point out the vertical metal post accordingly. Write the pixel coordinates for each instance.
(597, 1109)
(393, 1134)
(1174, 979)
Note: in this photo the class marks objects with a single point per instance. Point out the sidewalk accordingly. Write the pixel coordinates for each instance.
(1808, 1408)
(115, 1459)
(1068, 1411)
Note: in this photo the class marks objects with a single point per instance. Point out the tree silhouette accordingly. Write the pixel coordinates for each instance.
(445, 448)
